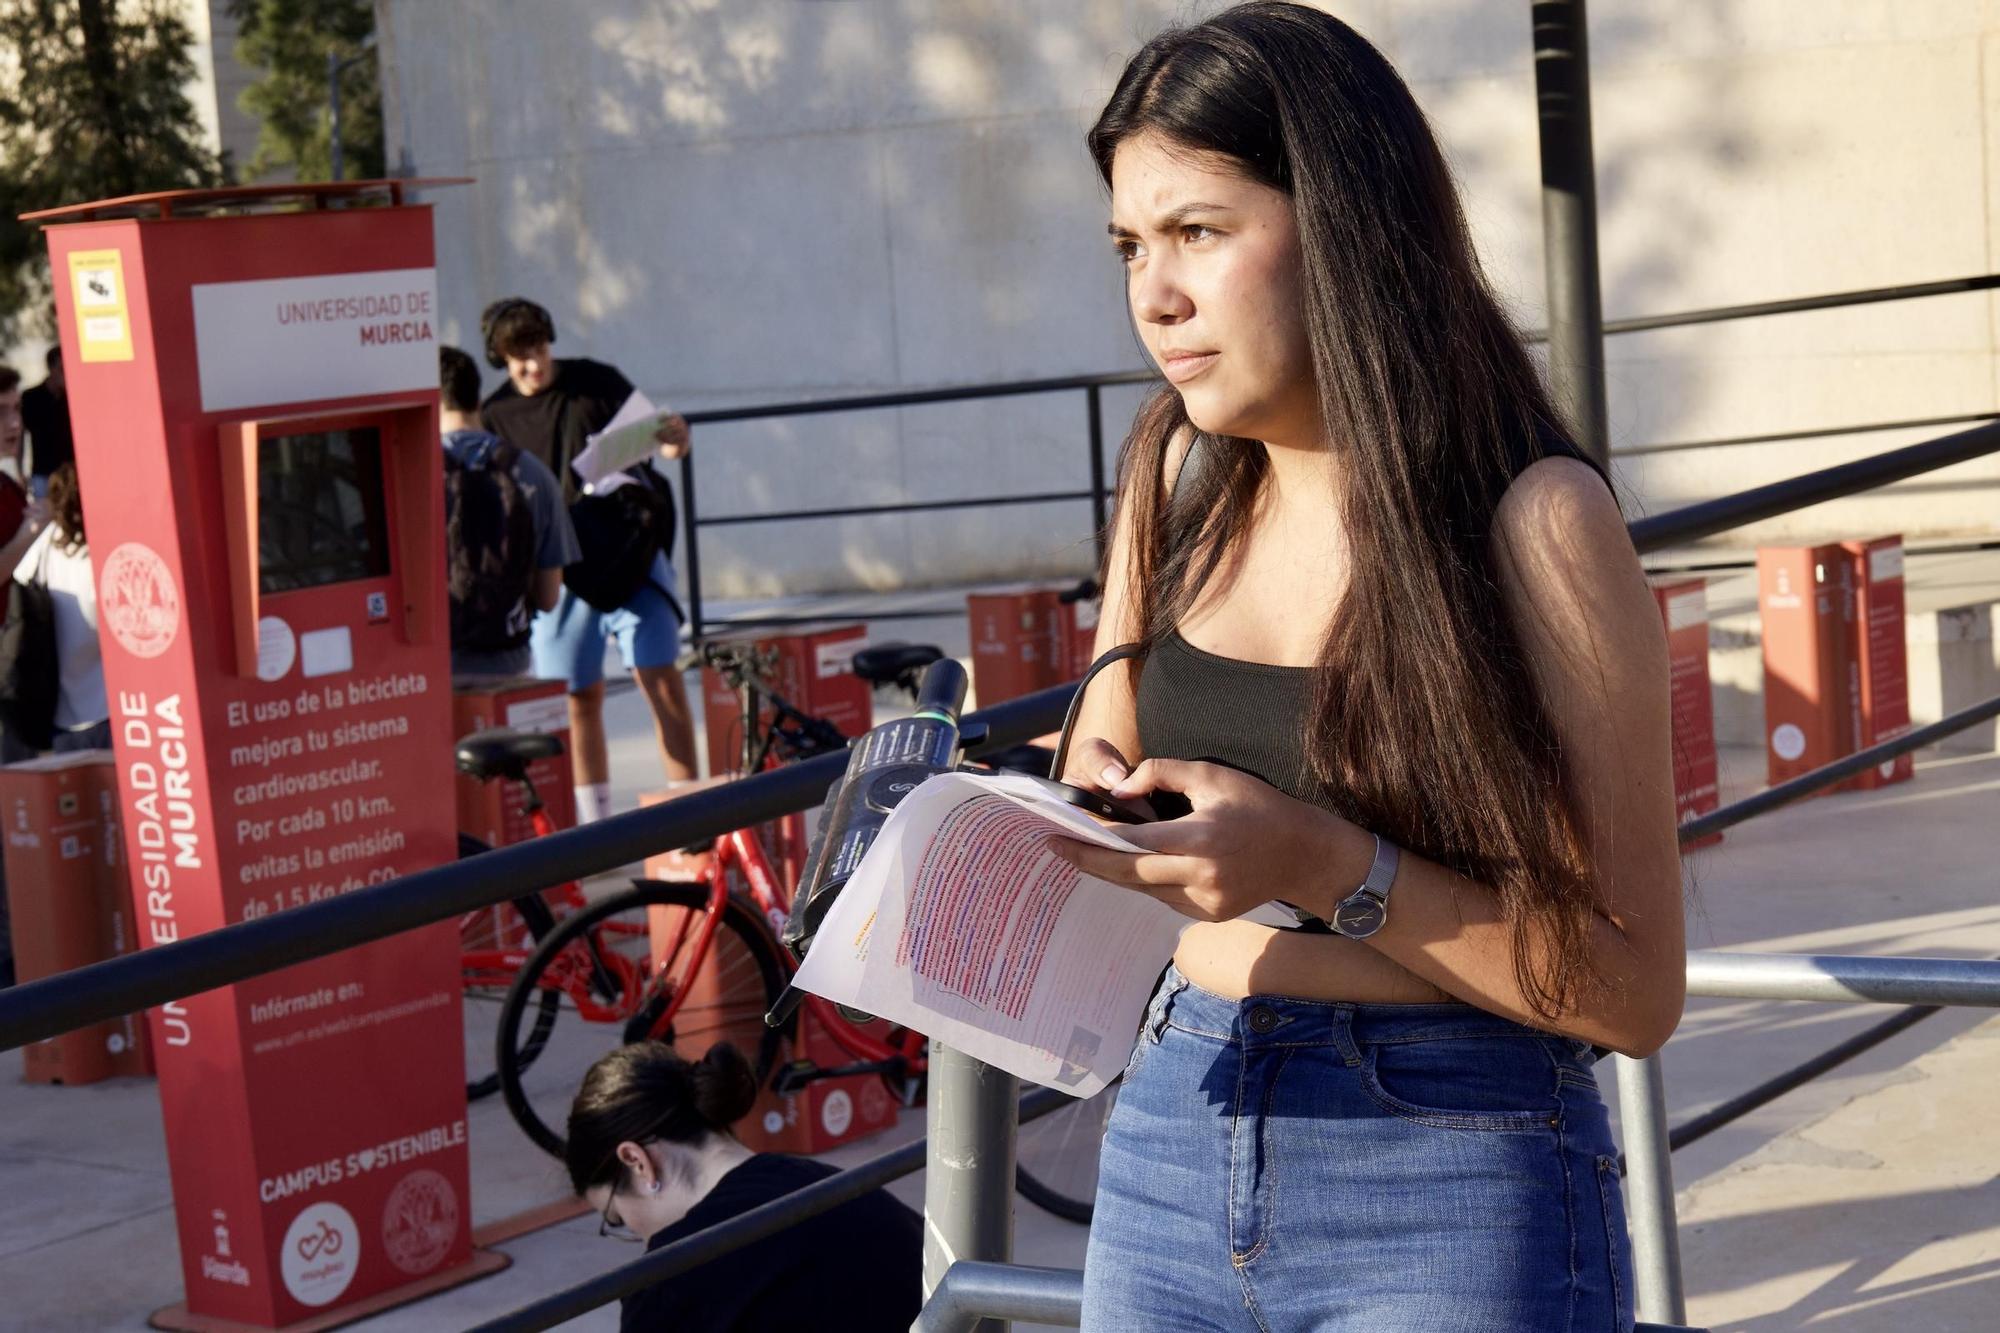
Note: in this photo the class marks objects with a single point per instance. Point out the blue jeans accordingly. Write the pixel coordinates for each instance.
(1278, 1165)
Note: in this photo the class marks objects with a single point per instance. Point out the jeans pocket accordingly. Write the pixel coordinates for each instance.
(1618, 1249)
(1502, 1083)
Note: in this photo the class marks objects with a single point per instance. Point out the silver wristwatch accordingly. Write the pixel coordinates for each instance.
(1366, 910)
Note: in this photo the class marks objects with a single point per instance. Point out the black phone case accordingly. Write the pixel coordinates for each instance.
(1136, 810)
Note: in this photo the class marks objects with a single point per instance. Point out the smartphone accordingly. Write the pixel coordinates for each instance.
(1123, 810)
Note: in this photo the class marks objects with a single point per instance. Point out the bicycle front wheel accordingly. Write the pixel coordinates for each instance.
(1056, 1156)
(629, 967)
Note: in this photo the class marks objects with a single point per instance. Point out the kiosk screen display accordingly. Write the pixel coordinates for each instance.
(322, 516)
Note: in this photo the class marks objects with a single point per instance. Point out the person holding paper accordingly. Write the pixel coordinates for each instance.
(551, 408)
(1404, 670)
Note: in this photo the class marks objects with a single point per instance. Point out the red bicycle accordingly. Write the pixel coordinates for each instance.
(694, 962)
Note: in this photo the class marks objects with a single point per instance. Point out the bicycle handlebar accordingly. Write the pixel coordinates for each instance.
(883, 767)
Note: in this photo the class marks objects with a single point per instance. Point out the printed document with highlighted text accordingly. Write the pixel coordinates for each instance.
(961, 924)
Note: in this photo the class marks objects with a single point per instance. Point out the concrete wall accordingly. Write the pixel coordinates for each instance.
(763, 200)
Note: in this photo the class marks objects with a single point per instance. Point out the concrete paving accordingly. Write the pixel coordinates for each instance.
(1866, 1200)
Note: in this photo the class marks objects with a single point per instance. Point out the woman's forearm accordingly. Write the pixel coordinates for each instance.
(1449, 930)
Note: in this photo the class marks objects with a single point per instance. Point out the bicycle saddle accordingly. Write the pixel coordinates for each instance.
(887, 663)
(500, 753)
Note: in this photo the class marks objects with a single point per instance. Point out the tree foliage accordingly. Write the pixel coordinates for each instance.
(93, 105)
(288, 41)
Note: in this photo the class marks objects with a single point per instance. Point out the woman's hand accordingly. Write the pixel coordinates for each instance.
(1243, 844)
(674, 437)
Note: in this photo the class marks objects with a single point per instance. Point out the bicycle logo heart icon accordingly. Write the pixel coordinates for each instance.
(138, 601)
(320, 1254)
(324, 1241)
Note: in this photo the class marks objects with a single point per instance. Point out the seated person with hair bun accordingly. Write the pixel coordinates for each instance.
(650, 1147)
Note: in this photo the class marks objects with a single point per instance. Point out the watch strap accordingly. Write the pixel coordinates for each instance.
(1382, 871)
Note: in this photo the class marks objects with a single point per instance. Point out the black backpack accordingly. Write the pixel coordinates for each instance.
(30, 670)
(619, 532)
(490, 545)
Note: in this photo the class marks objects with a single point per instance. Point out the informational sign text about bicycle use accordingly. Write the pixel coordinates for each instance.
(961, 924)
(277, 666)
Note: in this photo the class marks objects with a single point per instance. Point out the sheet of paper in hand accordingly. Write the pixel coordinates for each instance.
(632, 436)
(961, 924)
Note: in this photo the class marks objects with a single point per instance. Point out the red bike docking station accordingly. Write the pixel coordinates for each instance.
(255, 406)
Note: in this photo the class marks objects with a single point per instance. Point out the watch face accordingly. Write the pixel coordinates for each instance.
(1359, 916)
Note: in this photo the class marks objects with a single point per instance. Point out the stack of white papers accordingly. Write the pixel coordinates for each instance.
(630, 437)
(960, 923)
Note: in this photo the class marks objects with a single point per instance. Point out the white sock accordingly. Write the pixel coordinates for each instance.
(593, 801)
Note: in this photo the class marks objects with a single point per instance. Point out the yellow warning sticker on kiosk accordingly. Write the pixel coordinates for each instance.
(103, 325)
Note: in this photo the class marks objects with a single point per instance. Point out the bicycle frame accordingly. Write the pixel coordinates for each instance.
(743, 851)
(497, 966)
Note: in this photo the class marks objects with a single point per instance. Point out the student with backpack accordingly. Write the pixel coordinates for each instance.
(623, 586)
(507, 535)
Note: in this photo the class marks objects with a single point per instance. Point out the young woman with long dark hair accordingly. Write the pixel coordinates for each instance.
(1403, 666)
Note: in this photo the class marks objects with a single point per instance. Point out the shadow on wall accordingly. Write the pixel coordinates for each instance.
(778, 199)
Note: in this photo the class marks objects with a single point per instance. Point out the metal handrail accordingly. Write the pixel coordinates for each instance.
(1092, 387)
(1108, 379)
(971, 1291)
(118, 986)
(993, 1290)
(1801, 304)
(1693, 522)
(153, 976)
(1826, 775)
(1844, 978)
(1813, 433)
(35, 1010)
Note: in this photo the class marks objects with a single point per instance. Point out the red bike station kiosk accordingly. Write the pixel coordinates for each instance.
(253, 382)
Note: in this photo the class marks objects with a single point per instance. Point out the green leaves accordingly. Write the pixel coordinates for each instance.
(288, 42)
(94, 107)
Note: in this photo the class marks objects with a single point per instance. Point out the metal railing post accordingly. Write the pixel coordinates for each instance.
(691, 537)
(1649, 1190)
(1569, 220)
(969, 1172)
(1099, 503)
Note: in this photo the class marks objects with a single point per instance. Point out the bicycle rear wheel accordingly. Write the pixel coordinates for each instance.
(614, 969)
(1056, 1156)
(513, 928)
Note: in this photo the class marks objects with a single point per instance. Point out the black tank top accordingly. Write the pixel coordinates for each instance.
(1249, 716)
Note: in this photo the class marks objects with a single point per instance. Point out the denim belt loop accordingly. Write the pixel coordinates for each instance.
(1156, 1014)
(1343, 1035)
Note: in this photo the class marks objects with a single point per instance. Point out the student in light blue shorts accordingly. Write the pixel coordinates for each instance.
(550, 407)
(568, 644)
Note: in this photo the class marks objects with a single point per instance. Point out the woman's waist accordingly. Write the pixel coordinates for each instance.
(1270, 1017)
(1238, 960)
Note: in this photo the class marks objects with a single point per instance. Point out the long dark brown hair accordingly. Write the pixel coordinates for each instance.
(66, 509)
(1425, 725)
